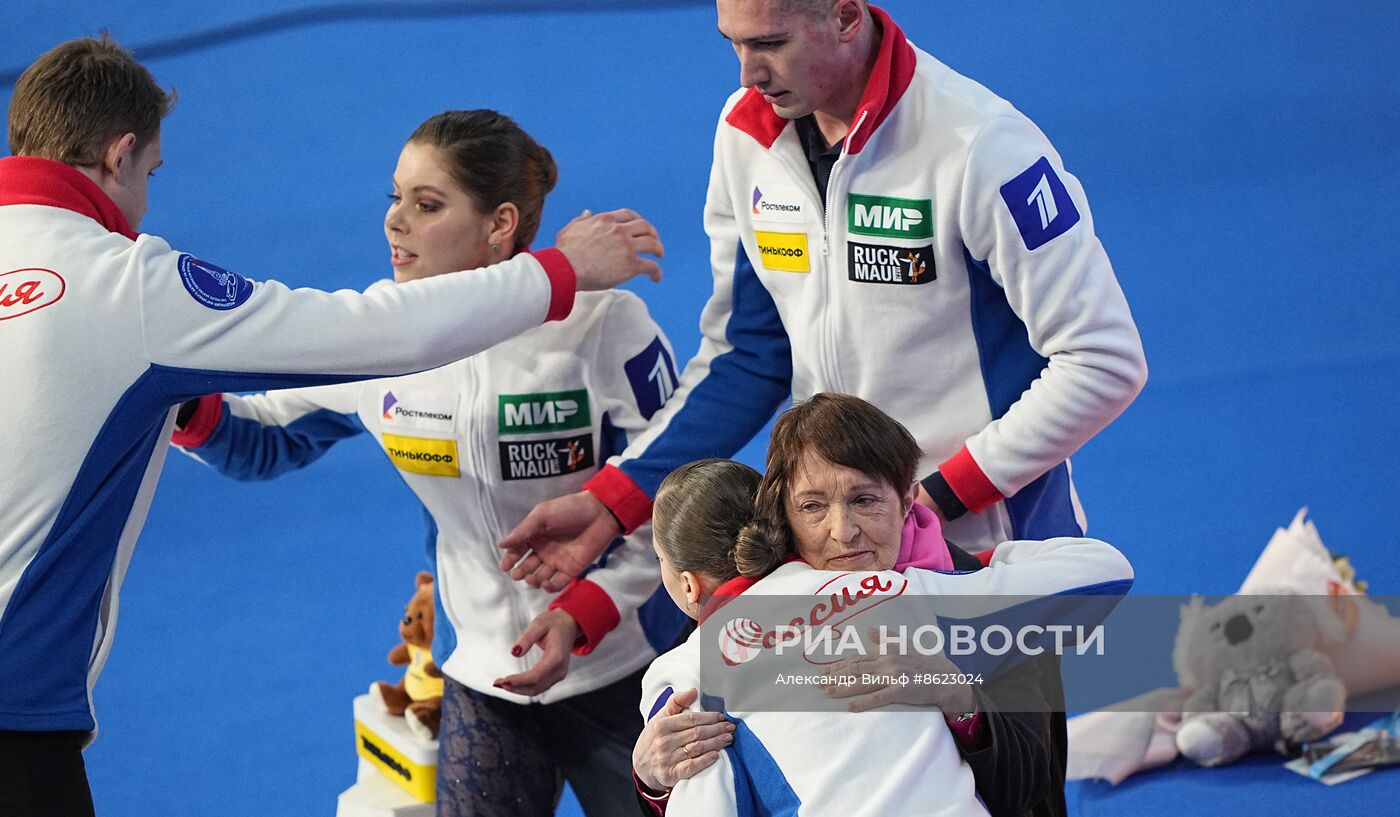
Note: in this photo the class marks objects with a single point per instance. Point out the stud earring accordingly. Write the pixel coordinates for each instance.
(495, 248)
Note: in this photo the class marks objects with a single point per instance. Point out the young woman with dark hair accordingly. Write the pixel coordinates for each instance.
(480, 441)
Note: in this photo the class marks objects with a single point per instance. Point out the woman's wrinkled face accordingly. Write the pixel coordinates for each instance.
(843, 519)
(433, 225)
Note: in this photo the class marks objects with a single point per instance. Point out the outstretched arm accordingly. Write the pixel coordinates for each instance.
(266, 435)
(728, 391)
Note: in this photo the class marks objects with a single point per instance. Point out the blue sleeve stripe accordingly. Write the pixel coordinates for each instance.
(185, 384)
(444, 634)
(1009, 363)
(660, 702)
(760, 787)
(661, 620)
(742, 390)
(612, 440)
(1044, 509)
(247, 450)
(48, 626)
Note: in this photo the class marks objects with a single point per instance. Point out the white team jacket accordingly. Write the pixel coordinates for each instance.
(870, 763)
(102, 333)
(481, 441)
(953, 279)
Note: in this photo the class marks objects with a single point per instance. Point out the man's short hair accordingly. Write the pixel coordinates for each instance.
(75, 99)
(814, 8)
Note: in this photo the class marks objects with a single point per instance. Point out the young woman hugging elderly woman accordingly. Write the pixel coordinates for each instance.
(839, 495)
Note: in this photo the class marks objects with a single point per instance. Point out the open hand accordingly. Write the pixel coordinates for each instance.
(554, 632)
(605, 248)
(557, 540)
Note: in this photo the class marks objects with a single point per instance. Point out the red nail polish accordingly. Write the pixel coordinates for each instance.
(515, 651)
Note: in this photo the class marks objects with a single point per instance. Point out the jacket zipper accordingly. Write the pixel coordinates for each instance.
(478, 435)
(826, 202)
(829, 339)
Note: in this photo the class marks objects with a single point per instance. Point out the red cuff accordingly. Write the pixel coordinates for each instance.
(966, 479)
(970, 734)
(562, 282)
(655, 804)
(620, 494)
(202, 424)
(594, 611)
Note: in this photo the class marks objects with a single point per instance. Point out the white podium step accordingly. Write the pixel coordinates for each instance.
(374, 795)
(397, 774)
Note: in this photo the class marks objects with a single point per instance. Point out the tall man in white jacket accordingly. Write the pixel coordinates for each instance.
(104, 331)
(884, 227)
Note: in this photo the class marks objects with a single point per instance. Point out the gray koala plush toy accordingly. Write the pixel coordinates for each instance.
(1257, 675)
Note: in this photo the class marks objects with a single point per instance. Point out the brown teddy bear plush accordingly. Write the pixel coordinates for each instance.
(418, 695)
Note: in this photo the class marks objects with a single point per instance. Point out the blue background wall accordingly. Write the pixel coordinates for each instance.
(1242, 160)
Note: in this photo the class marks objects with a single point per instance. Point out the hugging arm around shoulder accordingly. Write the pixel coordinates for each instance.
(1021, 768)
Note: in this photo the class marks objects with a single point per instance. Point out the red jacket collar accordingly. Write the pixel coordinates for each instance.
(733, 589)
(889, 79)
(724, 594)
(30, 180)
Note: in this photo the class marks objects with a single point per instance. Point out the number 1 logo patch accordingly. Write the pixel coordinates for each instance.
(1040, 204)
(653, 378)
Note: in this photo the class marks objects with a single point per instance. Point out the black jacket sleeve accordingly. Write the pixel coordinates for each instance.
(1021, 770)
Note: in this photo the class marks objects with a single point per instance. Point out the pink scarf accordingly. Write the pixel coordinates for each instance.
(921, 544)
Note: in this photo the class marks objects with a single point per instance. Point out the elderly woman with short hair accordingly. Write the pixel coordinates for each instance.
(839, 495)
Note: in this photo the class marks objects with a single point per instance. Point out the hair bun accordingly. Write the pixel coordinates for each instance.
(760, 547)
(548, 170)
